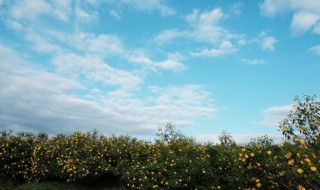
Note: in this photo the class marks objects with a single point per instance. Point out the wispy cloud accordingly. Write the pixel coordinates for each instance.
(267, 42)
(204, 28)
(236, 8)
(146, 6)
(252, 61)
(315, 49)
(274, 115)
(140, 57)
(206, 25)
(306, 14)
(33, 10)
(115, 14)
(30, 10)
(85, 16)
(225, 48)
(95, 69)
(40, 44)
(167, 35)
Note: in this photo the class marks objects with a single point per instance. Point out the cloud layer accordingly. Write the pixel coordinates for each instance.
(38, 100)
(76, 83)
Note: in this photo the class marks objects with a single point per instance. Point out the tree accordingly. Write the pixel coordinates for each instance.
(169, 134)
(302, 124)
(226, 139)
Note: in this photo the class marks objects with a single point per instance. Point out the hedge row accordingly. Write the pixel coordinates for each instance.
(177, 163)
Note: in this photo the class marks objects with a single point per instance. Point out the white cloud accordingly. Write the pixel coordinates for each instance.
(236, 9)
(303, 21)
(85, 16)
(62, 9)
(98, 44)
(170, 65)
(12, 24)
(252, 61)
(115, 14)
(178, 104)
(105, 44)
(95, 69)
(93, 2)
(168, 35)
(306, 14)
(315, 49)
(274, 115)
(8, 55)
(146, 6)
(267, 42)
(29, 9)
(33, 10)
(41, 44)
(139, 56)
(151, 5)
(206, 25)
(225, 48)
(273, 7)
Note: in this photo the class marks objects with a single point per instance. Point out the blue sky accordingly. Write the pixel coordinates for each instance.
(131, 66)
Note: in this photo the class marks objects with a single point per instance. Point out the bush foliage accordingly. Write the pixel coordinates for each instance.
(173, 161)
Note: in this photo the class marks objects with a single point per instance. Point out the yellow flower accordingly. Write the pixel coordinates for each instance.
(269, 152)
(288, 155)
(257, 180)
(300, 187)
(307, 160)
(290, 162)
(252, 154)
(313, 168)
(300, 170)
(258, 184)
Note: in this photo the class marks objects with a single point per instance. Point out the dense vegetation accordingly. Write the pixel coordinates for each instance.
(172, 161)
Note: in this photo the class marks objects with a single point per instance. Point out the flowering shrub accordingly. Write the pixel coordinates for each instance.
(176, 164)
(16, 152)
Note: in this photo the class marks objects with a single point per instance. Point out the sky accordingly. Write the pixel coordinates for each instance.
(132, 66)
